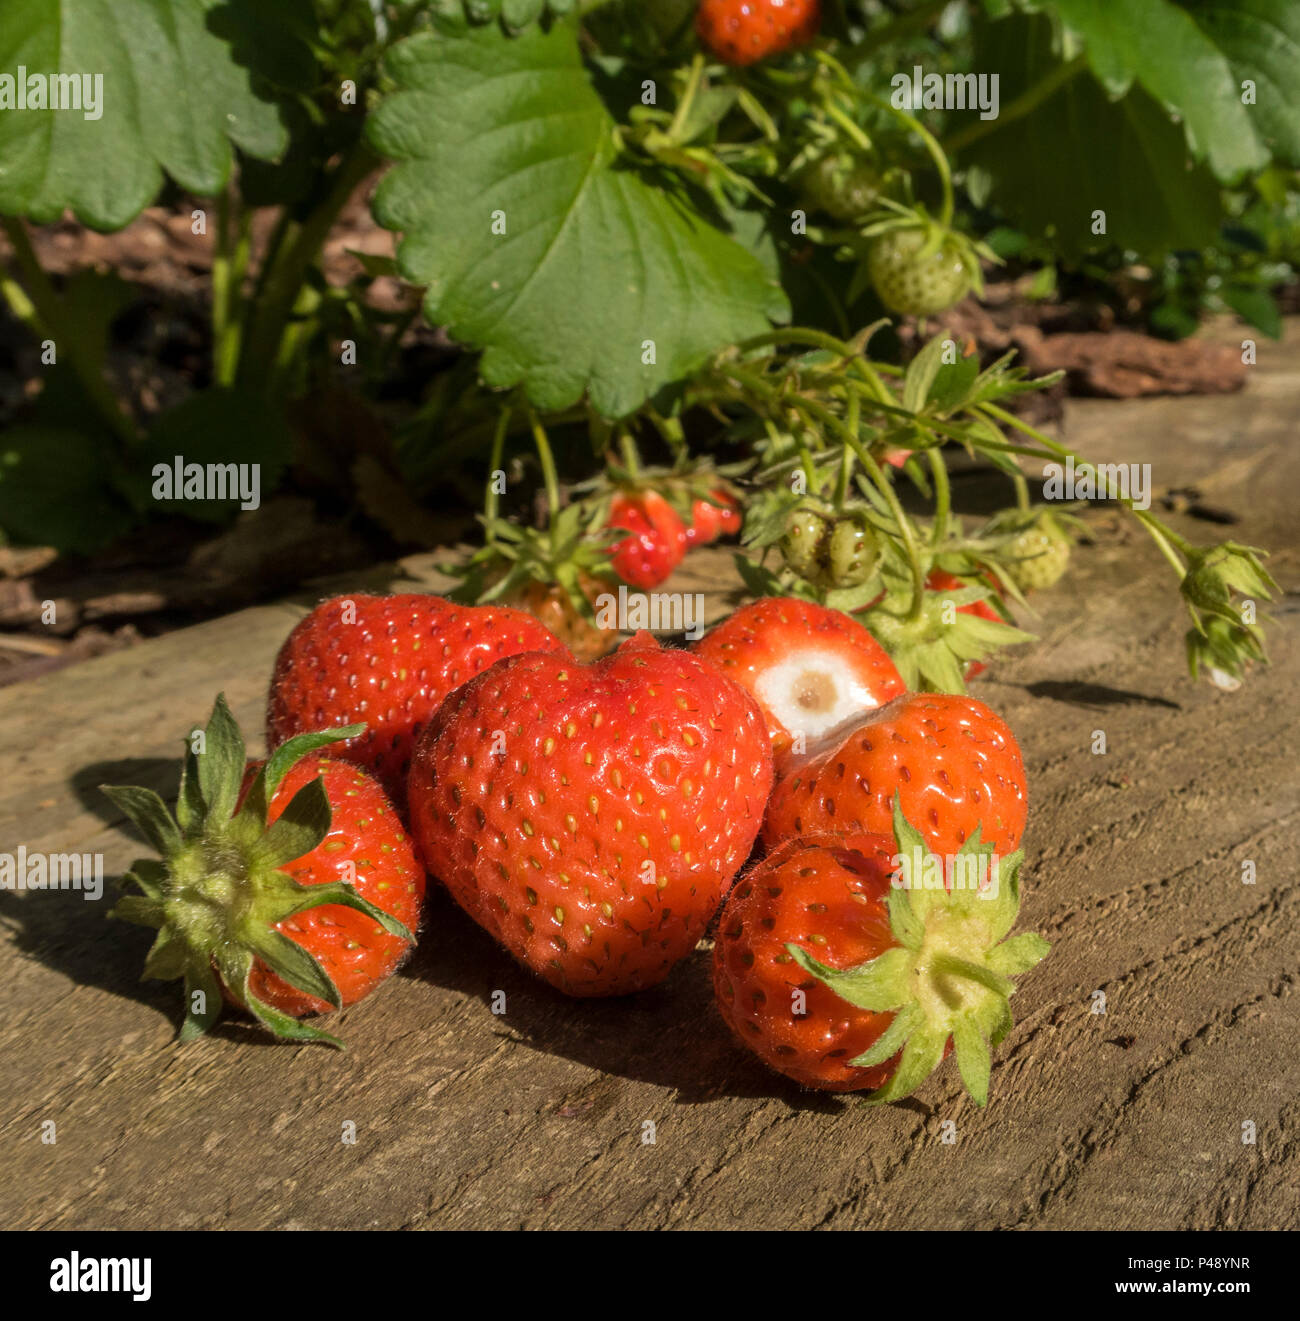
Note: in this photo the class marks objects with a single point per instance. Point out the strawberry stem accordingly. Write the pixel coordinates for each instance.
(547, 459)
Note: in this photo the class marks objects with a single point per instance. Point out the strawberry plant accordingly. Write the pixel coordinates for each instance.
(653, 228)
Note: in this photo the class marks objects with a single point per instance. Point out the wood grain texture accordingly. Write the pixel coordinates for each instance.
(537, 1117)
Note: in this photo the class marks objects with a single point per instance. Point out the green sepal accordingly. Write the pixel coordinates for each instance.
(148, 813)
(200, 977)
(139, 909)
(148, 874)
(221, 764)
(973, 1060)
(950, 974)
(878, 985)
(189, 801)
(340, 892)
(289, 961)
(1019, 954)
(281, 762)
(301, 827)
(893, 1039)
(287, 1027)
(167, 959)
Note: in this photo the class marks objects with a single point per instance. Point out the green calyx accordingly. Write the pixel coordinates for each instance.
(1221, 589)
(570, 553)
(950, 975)
(933, 647)
(217, 892)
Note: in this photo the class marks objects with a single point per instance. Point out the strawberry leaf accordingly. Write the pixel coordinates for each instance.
(513, 200)
(1132, 149)
(177, 95)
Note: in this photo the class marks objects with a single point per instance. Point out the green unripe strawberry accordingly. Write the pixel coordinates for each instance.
(853, 555)
(1038, 557)
(916, 285)
(804, 545)
(841, 186)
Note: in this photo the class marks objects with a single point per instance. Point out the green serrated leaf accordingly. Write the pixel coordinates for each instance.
(56, 487)
(491, 131)
(1131, 150)
(1161, 45)
(176, 96)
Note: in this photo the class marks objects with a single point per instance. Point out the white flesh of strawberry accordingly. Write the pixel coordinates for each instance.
(812, 691)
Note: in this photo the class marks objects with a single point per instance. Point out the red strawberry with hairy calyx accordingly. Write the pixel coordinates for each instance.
(955, 766)
(845, 971)
(746, 31)
(389, 661)
(288, 886)
(811, 668)
(591, 817)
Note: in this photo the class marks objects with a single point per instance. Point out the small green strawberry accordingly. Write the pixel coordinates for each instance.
(803, 546)
(854, 553)
(916, 272)
(843, 187)
(1036, 553)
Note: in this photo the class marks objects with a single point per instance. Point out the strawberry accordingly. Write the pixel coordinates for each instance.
(914, 282)
(844, 966)
(718, 516)
(843, 186)
(954, 764)
(288, 886)
(746, 31)
(810, 668)
(389, 661)
(658, 541)
(1038, 553)
(591, 817)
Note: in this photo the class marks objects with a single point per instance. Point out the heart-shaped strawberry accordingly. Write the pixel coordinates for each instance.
(592, 817)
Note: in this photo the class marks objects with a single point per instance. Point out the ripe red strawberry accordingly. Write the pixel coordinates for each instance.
(954, 764)
(658, 541)
(710, 521)
(288, 886)
(810, 668)
(591, 817)
(842, 980)
(746, 31)
(389, 661)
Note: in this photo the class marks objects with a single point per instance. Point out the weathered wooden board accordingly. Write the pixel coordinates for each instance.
(538, 1117)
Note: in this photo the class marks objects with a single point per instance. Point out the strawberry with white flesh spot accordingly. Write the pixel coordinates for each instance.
(809, 667)
(288, 886)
